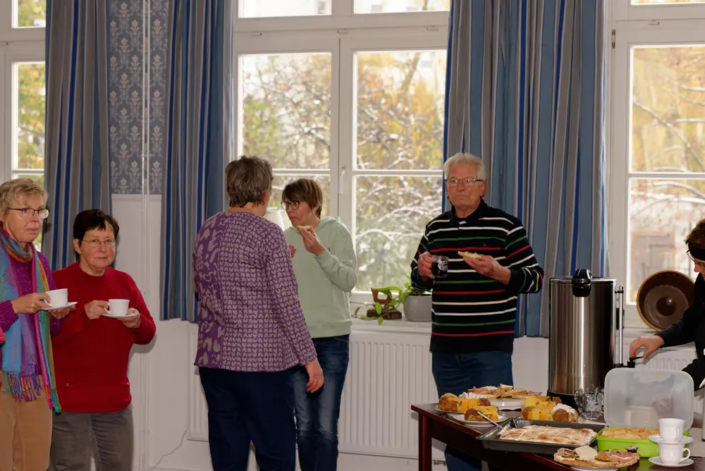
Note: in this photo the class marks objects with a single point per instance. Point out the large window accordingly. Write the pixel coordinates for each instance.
(657, 150)
(358, 109)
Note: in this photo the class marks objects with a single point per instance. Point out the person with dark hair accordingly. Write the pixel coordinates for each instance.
(325, 266)
(251, 332)
(92, 352)
(691, 327)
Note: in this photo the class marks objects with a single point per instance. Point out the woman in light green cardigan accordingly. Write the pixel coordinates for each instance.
(325, 267)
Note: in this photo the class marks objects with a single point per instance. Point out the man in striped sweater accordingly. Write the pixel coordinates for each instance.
(474, 307)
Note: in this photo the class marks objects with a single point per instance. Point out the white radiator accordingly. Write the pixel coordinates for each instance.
(387, 373)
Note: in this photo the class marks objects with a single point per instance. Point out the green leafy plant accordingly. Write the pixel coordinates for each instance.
(395, 299)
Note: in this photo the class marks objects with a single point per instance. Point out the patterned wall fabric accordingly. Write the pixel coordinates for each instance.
(77, 137)
(526, 93)
(129, 107)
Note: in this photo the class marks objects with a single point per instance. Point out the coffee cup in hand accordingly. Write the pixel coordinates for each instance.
(671, 430)
(58, 297)
(119, 307)
(673, 453)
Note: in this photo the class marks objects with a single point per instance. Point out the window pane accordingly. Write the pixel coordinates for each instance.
(400, 109)
(391, 214)
(286, 109)
(399, 6)
(280, 181)
(661, 214)
(31, 13)
(273, 8)
(668, 95)
(29, 117)
(664, 2)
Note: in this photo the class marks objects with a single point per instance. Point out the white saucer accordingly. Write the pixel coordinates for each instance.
(54, 308)
(683, 441)
(115, 316)
(657, 460)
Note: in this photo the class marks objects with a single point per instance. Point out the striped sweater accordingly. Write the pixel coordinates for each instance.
(471, 312)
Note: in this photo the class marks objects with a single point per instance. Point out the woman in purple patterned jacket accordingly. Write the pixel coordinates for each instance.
(251, 331)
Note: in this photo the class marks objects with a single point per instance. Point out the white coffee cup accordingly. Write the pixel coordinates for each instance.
(119, 307)
(58, 297)
(671, 430)
(673, 453)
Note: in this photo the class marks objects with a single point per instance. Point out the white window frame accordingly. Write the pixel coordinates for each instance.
(342, 34)
(631, 29)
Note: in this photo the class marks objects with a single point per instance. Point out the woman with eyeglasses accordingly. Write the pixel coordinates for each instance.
(27, 323)
(691, 327)
(92, 352)
(325, 267)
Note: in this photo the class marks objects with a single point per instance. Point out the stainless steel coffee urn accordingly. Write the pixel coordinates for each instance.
(585, 340)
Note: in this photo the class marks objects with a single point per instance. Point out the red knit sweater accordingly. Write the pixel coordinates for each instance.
(91, 356)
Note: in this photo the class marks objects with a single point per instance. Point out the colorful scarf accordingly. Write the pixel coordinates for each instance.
(24, 375)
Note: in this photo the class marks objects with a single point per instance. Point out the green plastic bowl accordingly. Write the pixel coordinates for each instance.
(646, 448)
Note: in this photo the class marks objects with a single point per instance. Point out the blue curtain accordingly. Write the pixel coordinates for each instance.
(77, 163)
(199, 113)
(525, 92)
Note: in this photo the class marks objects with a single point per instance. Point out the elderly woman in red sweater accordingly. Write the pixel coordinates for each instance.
(27, 377)
(92, 353)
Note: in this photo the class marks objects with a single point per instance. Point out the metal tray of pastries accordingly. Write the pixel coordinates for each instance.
(539, 437)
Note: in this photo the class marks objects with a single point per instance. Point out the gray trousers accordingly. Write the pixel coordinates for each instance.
(108, 437)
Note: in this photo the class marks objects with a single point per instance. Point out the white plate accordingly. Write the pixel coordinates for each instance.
(482, 423)
(54, 308)
(684, 440)
(115, 316)
(507, 403)
(583, 468)
(657, 460)
(438, 409)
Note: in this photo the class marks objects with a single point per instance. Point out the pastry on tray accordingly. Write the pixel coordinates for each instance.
(590, 458)
(474, 416)
(630, 433)
(553, 435)
(552, 411)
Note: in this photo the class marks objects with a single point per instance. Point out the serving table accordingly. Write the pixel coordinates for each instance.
(435, 425)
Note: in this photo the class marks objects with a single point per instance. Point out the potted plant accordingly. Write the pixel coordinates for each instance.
(417, 303)
(383, 308)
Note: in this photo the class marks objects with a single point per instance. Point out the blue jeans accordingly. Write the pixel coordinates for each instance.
(458, 373)
(250, 407)
(317, 414)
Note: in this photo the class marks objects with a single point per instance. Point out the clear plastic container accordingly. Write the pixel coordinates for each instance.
(639, 397)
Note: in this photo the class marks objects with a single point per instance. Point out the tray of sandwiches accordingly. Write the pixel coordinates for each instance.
(540, 437)
(504, 397)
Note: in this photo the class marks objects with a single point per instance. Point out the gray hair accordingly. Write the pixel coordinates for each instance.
(13, 190)
(466, 159)
(247, 180)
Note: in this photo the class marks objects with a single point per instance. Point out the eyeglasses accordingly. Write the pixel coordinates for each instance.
(95, 243)
(290, 204)
(697, 263)
(31, 212)
(467, 181)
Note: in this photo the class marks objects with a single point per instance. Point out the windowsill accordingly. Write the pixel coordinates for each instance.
(402, 326)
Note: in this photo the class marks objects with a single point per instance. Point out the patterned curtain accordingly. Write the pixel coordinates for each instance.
(77, 163)
(199, 113)
(525, 92)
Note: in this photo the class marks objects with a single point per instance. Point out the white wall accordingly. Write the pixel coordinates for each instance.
(159, 373)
